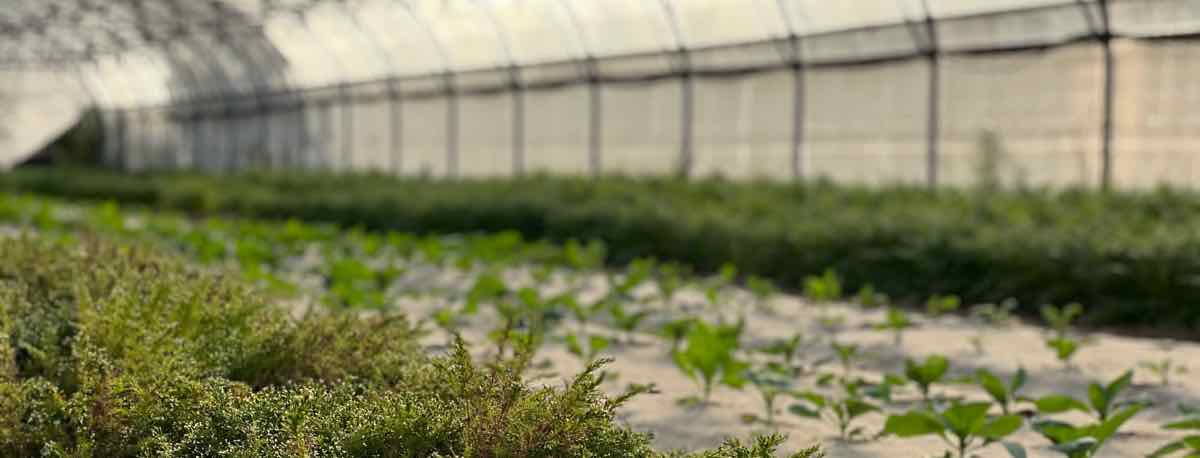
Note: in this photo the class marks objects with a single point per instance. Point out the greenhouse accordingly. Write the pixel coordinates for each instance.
(939, 92)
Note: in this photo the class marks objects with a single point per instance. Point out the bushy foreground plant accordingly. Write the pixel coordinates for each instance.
(110, 350)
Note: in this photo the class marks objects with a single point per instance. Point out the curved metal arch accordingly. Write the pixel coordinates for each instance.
(326, 106)
(449, 79)
(595, 95)
(391, 82)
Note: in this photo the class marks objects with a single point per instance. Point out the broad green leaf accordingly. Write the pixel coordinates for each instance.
(855, 407)
(816, 399)
(929, 371)
(803, 411)
(1084, 444)
(1015, 450)
(912, 424)
(1186, 423)
(1000, 427)
(966, 418)
(993, 385)
(1168, 449)
(598, 343)
(1058, 432)
(1105, 430)
(573, 346)
(1018, 380)
(1057, 403)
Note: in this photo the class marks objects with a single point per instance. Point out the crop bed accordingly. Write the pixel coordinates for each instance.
(345, 338)
(1133, 258)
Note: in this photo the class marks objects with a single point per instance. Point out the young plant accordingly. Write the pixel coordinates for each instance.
(896, 321)
(990, 316)
(824, 288)
(840, 411)
(586, 347)
(676, 331)
(1005, 394)
(626, 320)
(1163, 369)
(868, 298)
(583, 313)
(846, 354)
(965, 427)
(770, 381)
(1189, 445)
(763, 290)
(941, 305)
(786, 349)
(1059, 320)
(709, 357)
(1083, 441)
(670, 280)
(621, 287)
(717, 284)
(926, 373)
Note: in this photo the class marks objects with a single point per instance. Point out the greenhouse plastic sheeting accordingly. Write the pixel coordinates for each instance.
(938, 92)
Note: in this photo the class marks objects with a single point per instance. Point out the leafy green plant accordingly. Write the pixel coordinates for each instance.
(670, 279)
(926, 373)
(586, 347)
(1059, 320)
(626, 320)
(709, 357)
(846, 355)
(676, 331)
(1189, 445)
(941, 305)
(718, 283)
(896, 321)
(826, 287)
(837, 410)
(785, 349)
(1083, 441)
(1163, 369)
(1005, 394)
(762, 289)
(868, 298)
(964, 426)
(770, 382)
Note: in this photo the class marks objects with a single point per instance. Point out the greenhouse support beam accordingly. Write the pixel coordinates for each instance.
(1105, 37)
(518, 121)
(933, 126)
(452, 125)
(595, 120)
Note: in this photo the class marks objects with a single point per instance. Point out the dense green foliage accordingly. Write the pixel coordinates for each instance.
(1131, 258)
(115, 350)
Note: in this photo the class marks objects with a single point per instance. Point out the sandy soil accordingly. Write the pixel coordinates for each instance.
(646, 360)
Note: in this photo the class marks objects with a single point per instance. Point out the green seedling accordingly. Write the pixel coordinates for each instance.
(1064, 348)
(488, 287)
(1005, 394)
(966, 427)
(1163, 369)
(785, 349)
(995, 315)
(839, 411)
(583, 313)
(846, 355)
(709, 357)
(926, 373)
(1189, 445)
(1061, 319)
(670, 280)
(868, 298)
(626, 320)
(676, 331)
(621, 287)
(763, 290)
(896, 321)
(580, 257)
(1083, 441)
(586, 347)
(770, 382)
(824, 288)
(718, 283)
(942, 305)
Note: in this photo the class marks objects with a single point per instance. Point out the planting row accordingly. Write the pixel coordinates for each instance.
(1131, 257)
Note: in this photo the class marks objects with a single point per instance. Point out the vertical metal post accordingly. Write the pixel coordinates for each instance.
(452, 126)
(799, 104)
(1105, 37)
(347, 107)
(518, 122)
(595, 120)
(396, 138)
(122, 118)
(933, 128)
(686, 158)
(326, 117)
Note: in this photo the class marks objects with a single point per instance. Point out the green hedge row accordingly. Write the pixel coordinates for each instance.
(115, 351)
(1132, 258)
